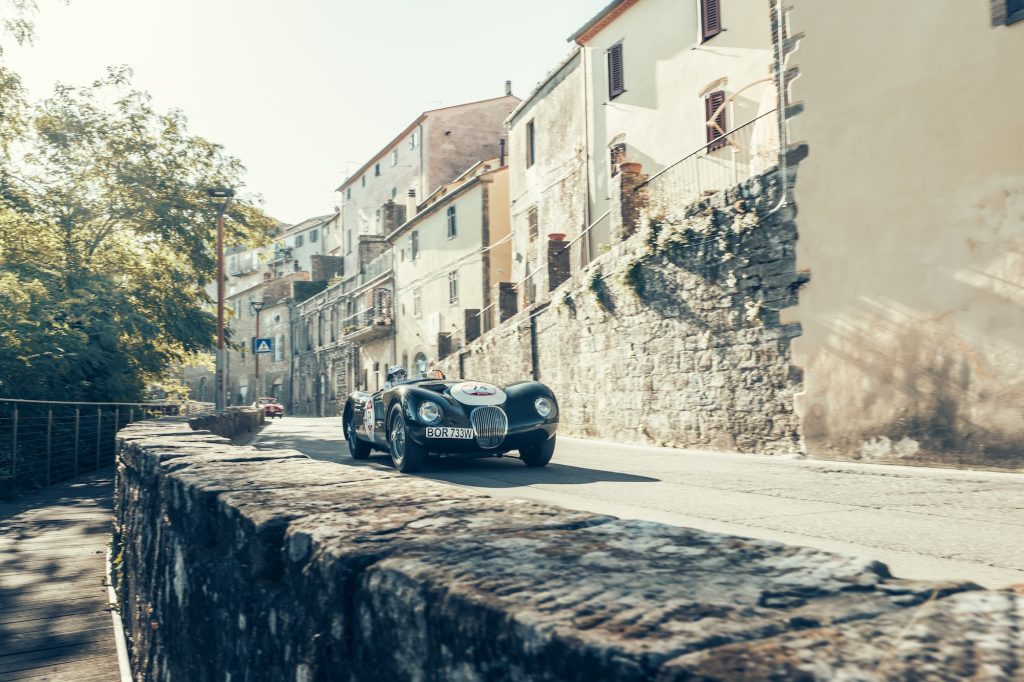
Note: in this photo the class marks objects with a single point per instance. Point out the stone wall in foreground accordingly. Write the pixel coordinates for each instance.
(672, 337)
(238, 564)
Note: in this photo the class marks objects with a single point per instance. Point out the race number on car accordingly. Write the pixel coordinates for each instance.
(448, 432)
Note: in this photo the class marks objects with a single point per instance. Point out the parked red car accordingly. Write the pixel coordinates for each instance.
(271, 408)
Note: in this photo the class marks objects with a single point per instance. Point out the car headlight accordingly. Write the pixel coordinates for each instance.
(429, 412)
(543, 406)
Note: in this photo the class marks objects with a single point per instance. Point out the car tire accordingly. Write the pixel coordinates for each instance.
(538, 455)
(407, 455)
(357, 448)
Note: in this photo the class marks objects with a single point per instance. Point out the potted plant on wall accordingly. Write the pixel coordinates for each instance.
(556, 236)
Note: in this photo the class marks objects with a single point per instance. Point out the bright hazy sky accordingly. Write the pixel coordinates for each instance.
(302, 91)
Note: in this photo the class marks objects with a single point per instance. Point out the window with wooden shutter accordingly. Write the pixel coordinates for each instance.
(616, 83)
(531, 221)
(716, 122)
(1014, 11)
(710, 18)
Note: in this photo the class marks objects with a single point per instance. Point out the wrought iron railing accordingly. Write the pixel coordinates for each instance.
(726, 161)
(45, 442)
(378, 313)
(590, 243)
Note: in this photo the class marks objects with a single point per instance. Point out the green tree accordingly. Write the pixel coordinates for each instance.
(105, 243)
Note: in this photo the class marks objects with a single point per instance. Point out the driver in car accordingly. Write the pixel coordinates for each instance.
(396, 375)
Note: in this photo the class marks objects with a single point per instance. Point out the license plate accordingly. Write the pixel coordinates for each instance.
(448, 432)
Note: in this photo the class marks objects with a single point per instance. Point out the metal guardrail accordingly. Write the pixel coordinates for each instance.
(44, 442)
(730, 159)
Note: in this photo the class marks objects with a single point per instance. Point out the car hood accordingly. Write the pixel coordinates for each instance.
(477, 393)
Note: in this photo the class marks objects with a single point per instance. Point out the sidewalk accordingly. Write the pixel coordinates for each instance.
(54, 620)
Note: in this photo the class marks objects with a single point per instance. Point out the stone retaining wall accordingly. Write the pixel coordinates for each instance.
(674, 336)
(232, 423)
(238, 564)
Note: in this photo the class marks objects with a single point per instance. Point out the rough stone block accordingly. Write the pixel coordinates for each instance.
(284, 568)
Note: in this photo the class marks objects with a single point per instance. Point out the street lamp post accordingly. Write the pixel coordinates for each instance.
(257, 306)
(221, 195)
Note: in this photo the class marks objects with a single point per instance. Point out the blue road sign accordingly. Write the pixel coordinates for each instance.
(262, 345)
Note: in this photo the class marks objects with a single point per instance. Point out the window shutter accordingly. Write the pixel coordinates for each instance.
(532, 222)
(616, 83)
(712, 103)
(710, 18)
(530, 139)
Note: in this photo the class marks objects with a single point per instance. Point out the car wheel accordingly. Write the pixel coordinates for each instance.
(357, 448)
(538, 455)
(406, 454)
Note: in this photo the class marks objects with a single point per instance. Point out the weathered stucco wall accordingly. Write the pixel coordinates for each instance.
(911, 208)
(667, 70)
(238, 564)
(554, 186)
(674, 335)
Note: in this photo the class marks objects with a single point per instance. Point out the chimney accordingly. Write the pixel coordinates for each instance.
(410, 204)
(501, 152)
(508, 88)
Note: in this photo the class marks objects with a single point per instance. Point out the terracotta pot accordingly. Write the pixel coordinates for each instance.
(556, 236)
(630, 167)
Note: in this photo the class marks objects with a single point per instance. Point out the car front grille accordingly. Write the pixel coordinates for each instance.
(490, 425)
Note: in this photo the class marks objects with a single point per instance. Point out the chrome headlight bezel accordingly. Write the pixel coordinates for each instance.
(429, 412)
(544, 406)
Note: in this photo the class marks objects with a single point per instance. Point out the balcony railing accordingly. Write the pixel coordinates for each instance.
(373, 321)
(736, 156)
(376, 267)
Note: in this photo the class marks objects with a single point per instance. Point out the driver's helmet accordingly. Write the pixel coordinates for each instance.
(397, 375)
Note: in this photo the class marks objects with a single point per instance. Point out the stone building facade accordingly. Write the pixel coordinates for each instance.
(250, 375)
(434, 149)
(547, 175)
(448, 259)
(343, 331)
(342, 335)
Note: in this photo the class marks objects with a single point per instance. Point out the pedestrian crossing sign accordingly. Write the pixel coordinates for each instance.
(262, 345)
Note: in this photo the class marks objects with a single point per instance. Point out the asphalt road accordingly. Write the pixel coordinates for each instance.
(924, 523)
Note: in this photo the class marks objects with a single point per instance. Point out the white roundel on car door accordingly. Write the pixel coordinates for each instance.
(477, 393)
(368, 417)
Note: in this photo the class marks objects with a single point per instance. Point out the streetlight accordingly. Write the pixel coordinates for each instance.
(257, 306)
(223, 194)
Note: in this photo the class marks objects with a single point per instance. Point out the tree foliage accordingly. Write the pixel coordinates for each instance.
(106, 237)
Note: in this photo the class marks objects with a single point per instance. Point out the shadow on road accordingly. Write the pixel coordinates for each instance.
(509, 472)
(328, 444)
